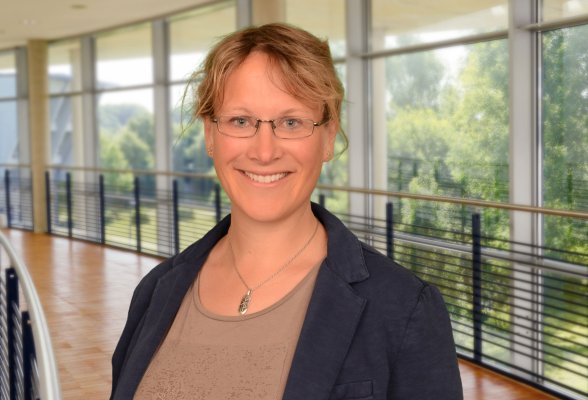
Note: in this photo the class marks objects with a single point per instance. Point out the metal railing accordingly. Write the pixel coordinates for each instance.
(16, 198)
(519, 308)
(27, 364)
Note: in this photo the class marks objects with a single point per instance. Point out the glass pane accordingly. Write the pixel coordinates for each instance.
(9, 132)
(195, 194)
(124, 57)
(565, 179)
(189, 150)
(65, 67)
(188, 45)
(565, 118)
(7, 74)
(445, 117)
(66, 130)
(127, 138)
(335, 172)
(397, 23)
(325, 19)
(556, 9)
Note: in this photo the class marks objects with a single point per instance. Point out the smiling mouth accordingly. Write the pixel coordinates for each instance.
(265, 178)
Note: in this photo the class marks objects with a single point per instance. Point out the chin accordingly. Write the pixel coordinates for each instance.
(271, 211)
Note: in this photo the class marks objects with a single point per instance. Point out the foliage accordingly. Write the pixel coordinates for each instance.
(449, 135)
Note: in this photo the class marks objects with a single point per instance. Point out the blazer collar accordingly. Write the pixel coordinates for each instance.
(344, 250)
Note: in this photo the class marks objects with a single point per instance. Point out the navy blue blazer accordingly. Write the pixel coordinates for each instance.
(373, 330)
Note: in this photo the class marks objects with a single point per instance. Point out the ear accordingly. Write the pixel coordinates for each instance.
(329, 140)
(209, 128)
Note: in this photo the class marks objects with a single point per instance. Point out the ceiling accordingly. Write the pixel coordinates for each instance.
(24, 20)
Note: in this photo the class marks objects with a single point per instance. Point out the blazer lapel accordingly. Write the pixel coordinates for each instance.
(329, 327)
(332, 317)
(164, 304)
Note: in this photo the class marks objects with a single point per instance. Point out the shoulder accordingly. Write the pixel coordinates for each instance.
(395, 294)
(388, 278)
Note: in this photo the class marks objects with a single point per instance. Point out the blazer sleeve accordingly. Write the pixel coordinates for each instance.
(426, 364)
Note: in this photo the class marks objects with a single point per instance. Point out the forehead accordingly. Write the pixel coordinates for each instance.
(258, 83)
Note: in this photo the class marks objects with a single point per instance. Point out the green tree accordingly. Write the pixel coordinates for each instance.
(478, 155)
(111, 156)
(414, 80)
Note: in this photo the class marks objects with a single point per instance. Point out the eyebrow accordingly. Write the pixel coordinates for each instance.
(285, 113)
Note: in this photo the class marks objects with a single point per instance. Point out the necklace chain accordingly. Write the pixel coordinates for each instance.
(247, 297)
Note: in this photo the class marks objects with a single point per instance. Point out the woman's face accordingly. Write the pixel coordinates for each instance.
(267, 178)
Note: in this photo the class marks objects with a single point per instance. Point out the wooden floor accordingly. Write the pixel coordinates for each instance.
(85, 290)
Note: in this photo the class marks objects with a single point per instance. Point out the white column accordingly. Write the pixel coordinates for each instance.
(86, 144)
(244, 14)
(524, 180)
(163, 140)
(380, 131)
(23, 141)
(358, 129)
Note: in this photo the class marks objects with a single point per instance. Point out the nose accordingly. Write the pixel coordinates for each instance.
(259, 122)
(265, 146)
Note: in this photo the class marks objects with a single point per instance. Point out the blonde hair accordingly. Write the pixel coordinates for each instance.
(305, 63)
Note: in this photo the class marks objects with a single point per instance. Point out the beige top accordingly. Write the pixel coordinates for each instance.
(209, 356)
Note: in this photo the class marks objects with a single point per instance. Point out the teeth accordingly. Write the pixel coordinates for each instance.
(265, 178)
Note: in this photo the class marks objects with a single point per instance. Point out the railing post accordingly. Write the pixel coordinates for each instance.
(68, 203)
(137, 213)
(390, 230)
(102, 209)
(217, 202)
(28, 355)
(7, 188)
(322, 200)
(176, 214)
(477, 285)
(48, 200)
(12, 313)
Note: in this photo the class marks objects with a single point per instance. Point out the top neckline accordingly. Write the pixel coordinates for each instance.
(195, 289)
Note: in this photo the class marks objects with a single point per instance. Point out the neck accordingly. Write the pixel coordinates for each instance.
(264, 245)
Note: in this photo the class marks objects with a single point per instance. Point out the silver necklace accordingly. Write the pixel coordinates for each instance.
(246, 299)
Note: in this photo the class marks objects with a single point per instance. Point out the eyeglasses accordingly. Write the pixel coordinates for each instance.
(242, 126)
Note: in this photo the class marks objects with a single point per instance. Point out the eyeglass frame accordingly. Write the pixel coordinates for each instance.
(258, 123)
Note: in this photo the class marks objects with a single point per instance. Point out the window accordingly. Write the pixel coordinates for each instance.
(446, 114)
(124, 57)
(193, 33)
(565, 182)
(65, 105)
(188, 47)
(324, 19)
(9, 131)
(401, 23)
(557, 9)
(124, 78)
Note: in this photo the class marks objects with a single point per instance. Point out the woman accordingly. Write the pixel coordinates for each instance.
(280, 300)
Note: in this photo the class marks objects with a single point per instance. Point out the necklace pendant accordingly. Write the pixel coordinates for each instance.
(245, 300)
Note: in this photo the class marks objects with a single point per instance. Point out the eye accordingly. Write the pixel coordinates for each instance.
(239, 122)
(291, 123)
